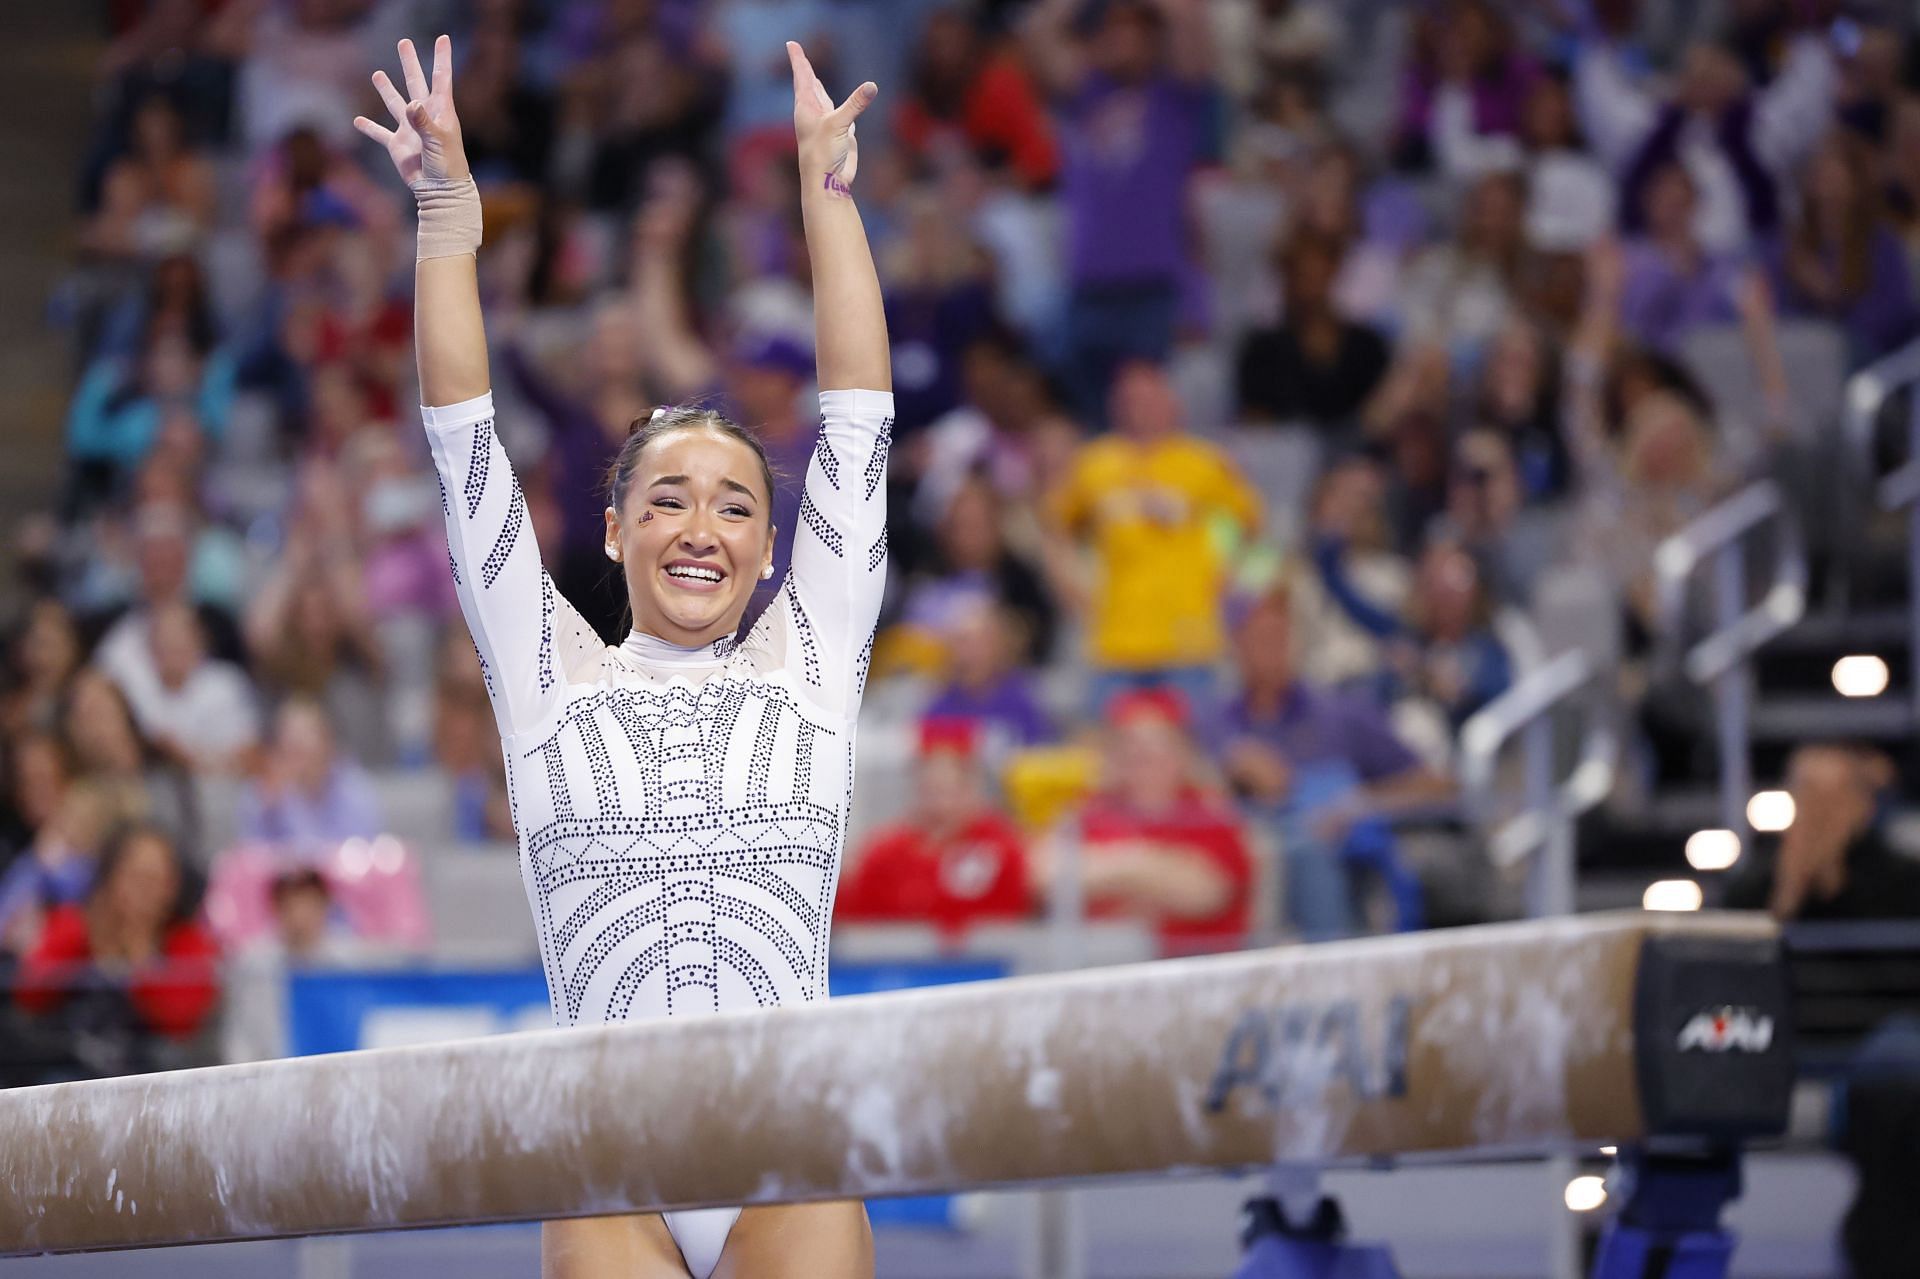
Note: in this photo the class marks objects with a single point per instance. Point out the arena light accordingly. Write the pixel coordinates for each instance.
(356, 859)
(387, 855)
(1860, 675)
(1712, 849)
(1770, 811)
(1673, 894)
(1609, 1151)
(1585, 1193)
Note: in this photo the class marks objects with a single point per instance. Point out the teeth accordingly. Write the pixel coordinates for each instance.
(697, 574)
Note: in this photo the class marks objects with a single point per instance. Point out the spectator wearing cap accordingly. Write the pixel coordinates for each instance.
(1153, 844)
(1326, 770)
(764, 381)
(307, 796)
(585, 426)
(1136, 107)
(955, 860)
(1150, 501)
(303, 181)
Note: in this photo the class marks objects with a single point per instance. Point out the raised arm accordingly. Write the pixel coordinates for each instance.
(530, 640)
(849, 321)
(450, 343)
(831, 599)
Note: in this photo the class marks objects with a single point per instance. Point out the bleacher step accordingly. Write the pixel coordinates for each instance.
(1799, 717)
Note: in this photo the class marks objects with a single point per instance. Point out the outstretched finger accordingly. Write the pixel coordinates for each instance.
(803, 76)
(806, 82)
(410, 67)
(383, 136)
(443, 66)
(857, 101)
(396, 104)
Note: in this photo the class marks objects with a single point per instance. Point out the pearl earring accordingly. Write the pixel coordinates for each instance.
(613, 555)
(766, 572)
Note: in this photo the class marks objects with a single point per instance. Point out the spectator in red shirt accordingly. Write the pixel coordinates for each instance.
(965, 90)
(954, 861)
(131, 946)
(1154, 844)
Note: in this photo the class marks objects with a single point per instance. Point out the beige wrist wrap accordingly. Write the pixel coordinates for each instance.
(449, 217)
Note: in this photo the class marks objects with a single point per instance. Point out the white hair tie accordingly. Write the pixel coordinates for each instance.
(658, 413)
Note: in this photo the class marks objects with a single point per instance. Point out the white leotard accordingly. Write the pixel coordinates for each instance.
(680, 812)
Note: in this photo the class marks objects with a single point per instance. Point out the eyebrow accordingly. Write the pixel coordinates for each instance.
(725, 483)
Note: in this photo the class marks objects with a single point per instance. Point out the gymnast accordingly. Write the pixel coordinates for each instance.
(681, 800)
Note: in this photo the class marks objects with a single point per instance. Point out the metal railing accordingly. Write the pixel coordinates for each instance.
(1721, 659)
(1867, 394)
(1543, 829)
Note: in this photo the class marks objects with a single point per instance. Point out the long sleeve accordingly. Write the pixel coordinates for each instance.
(505, 595)
(831, 600)
(1793, 113)
(1613, 111)
(92, 431)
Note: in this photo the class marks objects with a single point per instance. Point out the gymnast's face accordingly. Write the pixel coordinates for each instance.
(693, 535)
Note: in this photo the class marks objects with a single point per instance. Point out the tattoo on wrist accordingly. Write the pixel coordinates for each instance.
(834, 186)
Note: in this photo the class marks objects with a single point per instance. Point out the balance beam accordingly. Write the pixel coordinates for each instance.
(1508, 1039)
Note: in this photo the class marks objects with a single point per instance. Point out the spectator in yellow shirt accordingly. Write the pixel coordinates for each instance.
(1161, 512)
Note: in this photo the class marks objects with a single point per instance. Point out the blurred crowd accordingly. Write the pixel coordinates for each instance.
(1261, 367)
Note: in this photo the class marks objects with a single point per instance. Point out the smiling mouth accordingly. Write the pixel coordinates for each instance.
(695, 577)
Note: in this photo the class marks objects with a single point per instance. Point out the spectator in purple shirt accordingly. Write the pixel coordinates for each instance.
(764, 381)
(584, 429)
(1136, 112)
(1839, 258)
(985, 685)
(1325, 770)
(307, 796)
(1673, 283)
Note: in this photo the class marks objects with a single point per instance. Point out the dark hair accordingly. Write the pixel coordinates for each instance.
(119, 846)
(301, 879)
(683, 417)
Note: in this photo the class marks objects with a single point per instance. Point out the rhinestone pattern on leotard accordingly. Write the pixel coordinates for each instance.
(680, 824)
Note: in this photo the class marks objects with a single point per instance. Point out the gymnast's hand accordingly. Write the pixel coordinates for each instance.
(829, 152)
(424, 143)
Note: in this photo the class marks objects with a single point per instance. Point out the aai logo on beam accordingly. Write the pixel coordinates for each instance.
(1720, 1030)
(1294, 1054)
